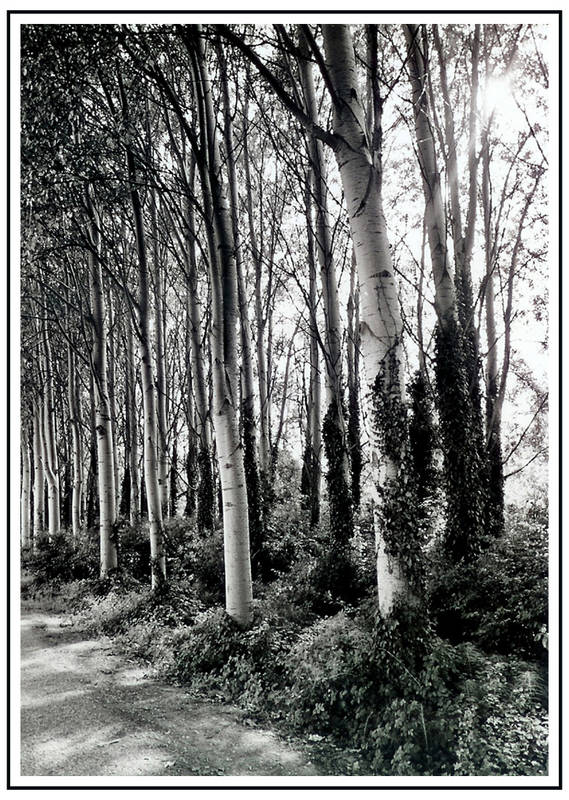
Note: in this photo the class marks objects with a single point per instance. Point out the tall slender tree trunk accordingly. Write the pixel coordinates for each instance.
(151, 468)
(26, 493)
(247, 384)
(51, 461)
(192, 451)
(353, 360)
(161, 389)
(463, 240)
(461, 424)
(103, 420)
(334, 428)
(445, 298)
(92, 475)
(265, 459)
(225, 321)
(380, 318)
(205, 491)
(111, 349)
(39, 476)
(315, 389)
(74, 404)
(131, 427)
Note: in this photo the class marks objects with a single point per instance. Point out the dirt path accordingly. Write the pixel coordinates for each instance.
(86, 711)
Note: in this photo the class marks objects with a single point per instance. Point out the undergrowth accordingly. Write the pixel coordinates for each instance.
(402, 697)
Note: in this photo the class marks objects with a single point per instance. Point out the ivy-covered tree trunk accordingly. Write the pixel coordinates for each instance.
(460, 424)
(353, 361)
(463, 238)
(380, 318)
(495, 511)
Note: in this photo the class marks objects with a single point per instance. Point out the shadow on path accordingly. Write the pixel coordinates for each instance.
(85, 711)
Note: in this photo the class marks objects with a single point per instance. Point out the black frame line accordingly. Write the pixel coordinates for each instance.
(24, 12)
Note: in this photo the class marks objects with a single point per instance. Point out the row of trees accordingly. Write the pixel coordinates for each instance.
(182, 187)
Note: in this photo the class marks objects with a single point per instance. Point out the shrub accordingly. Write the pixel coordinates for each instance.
(500, 600)
(59, 559)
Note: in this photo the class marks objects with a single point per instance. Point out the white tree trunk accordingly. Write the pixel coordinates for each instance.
(25, 496)
(315, 394)
(262, 376)
(51, 461)
(103, 422)
(76, 444)
(153, 496)
(132, 426)
(225, 326)
(161, 391)
(39, 477)
(380, 318)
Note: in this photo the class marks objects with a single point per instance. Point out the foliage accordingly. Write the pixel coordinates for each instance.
(206, 490)
(400, 513)
(499, 600)
(126, 487)
(254, 499)
(173, 489)
(354, 443)
(422, 436)
(191, 472)
(461, 441)
(339, 501)
(196, 556)
(60, 559)
(408, 704)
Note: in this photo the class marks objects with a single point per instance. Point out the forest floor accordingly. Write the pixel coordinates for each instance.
(87, 711)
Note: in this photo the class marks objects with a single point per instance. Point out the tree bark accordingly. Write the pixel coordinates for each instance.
(103, 420)
(264, 411)
(26, 494)
(39, 476)
(334, 430)
(161, 389)
(205, 492)
(51, 461)
(111, 349)
(380, 319)
(131, 424)
(225, 320)
(74, 404)
(315, 390)
(151, 468)
(247, 384)
(445, 299)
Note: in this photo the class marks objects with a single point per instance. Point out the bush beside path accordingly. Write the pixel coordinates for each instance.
(87, 711)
